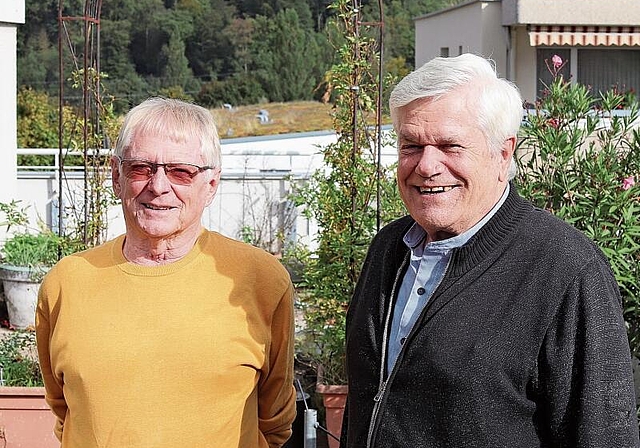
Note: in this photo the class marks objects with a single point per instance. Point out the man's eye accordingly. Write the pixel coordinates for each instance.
(181, 171)
(140, 168)
(410, 148)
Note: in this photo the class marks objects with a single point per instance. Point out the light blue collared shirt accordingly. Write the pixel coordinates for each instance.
(427, 267)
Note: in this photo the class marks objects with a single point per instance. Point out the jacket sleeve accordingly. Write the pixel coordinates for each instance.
(586, 395)
(276, 393)
(45, 325)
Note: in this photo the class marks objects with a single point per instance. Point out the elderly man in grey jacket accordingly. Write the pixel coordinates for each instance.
(480, 320)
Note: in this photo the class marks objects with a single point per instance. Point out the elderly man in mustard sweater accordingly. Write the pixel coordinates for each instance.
(169, 335)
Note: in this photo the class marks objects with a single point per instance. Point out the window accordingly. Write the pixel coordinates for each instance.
(600, 69)
(444, 52)
(605, 69)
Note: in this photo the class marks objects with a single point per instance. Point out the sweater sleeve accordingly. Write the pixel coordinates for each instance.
(45, 324)
(276, 394)
(586, 394)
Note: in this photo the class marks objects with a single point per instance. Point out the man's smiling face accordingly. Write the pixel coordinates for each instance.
(156, 209)
(448, 177)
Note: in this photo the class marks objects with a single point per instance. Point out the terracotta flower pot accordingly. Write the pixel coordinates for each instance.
(334, 398)
(25, 419)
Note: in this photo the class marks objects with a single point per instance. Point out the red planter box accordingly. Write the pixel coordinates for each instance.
(25, 419)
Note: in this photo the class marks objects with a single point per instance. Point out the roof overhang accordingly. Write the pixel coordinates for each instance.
(547, 35)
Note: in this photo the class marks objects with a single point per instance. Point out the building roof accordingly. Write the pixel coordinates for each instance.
(451, 8)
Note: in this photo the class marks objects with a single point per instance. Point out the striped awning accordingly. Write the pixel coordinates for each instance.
(584, 35)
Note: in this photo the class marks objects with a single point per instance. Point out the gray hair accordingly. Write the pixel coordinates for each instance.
(175, 119)
(499, 106)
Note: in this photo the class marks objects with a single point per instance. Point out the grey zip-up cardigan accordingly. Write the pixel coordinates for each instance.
(521, 345)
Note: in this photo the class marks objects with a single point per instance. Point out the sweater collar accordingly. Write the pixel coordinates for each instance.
(416, 234)
(494, 236)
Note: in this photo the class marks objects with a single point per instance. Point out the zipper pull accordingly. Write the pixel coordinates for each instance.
(378, 396)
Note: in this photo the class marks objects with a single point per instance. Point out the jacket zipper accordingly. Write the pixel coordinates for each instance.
(384, 381)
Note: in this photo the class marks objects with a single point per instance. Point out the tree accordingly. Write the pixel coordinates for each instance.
(240, 34)
(284, 43)
(122, 80)
(210, 50)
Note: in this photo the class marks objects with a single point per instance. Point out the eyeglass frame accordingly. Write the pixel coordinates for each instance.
(154, 168)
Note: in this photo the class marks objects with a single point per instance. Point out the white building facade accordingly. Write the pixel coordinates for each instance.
(11, 16)
(600, 41)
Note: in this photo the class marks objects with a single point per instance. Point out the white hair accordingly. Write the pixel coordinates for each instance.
(177, 120)
(499, 104)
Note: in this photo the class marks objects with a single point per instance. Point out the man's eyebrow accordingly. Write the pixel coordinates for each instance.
(407, 136)
(434, 139)
(448, 140)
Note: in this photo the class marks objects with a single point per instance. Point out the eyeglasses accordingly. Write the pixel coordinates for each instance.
(177, 173)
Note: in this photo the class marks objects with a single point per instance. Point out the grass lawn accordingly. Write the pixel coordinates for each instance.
(284, 118)
(300, 116)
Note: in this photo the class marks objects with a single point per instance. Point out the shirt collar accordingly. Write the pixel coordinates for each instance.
(416, 234)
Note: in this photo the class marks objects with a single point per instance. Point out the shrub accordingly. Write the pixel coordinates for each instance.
(18, 360)
(348, 199)
(579, 158)
(38, 250)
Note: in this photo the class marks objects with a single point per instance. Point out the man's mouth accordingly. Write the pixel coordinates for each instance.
(434, 190)
(156, 207)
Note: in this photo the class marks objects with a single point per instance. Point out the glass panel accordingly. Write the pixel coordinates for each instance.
(608, 68)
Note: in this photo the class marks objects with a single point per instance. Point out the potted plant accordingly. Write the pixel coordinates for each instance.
(25, 418)
(348, 199)
(26, 256)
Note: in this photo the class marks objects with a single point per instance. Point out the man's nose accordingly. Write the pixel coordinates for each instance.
(159, 182)
(430, 162)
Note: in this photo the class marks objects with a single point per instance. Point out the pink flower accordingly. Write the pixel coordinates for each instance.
(628, 182)
(556, 61)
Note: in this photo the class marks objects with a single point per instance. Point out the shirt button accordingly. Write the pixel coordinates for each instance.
(421, 291)
(402, 341)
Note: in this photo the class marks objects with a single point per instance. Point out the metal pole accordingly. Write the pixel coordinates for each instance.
(379, 114)
(60, 170)
(310, 423)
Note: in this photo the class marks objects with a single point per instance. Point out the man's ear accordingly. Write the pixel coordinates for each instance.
(213, 185)
(115, 176)
(506, 155)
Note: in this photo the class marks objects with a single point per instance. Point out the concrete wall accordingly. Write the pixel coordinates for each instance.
(11, 14)
(469, 28)
(525, 63)
(494, 37)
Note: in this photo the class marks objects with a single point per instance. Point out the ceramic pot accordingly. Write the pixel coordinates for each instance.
(21, 295)
(334, 398)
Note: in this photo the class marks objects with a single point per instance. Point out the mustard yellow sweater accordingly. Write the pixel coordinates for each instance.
(197, 353)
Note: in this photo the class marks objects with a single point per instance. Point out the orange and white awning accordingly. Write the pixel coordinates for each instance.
(543, 35)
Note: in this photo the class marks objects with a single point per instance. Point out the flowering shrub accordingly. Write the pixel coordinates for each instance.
(579, 158)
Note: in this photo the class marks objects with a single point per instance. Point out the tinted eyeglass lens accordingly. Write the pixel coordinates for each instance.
(180, 174)
(177, 173)
(137, 170)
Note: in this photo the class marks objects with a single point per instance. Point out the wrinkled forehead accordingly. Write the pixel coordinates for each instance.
(167, 130)
(172, 137)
